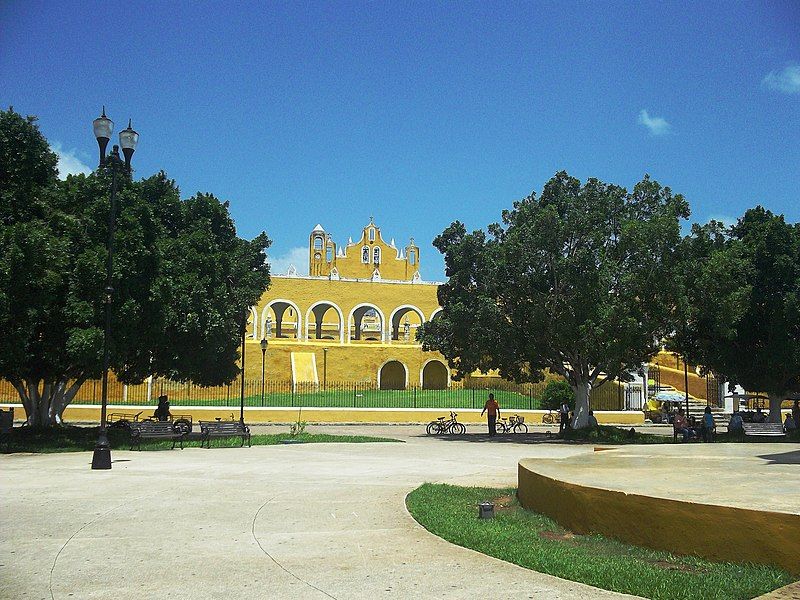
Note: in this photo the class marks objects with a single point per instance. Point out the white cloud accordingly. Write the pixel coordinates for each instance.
(68, 162)
(298, 257)
(786, 80)
(726, 220)
(656, 125)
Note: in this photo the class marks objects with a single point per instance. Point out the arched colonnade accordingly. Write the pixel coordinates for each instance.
(325, 320)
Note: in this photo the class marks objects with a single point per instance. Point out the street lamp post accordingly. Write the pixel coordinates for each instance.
(128, 138)
(686, 383)
(241, 394)
(263, 362)
(325, 369)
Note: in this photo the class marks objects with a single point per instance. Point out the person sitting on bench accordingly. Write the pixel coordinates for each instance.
(681, 425)
(162, 411)
(736, 424)
(789, 425)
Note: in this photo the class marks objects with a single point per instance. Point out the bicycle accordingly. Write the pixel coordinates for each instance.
(444, 425)
(551, 418)
(514, 424)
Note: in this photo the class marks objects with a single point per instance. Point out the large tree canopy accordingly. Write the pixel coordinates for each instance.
(182, 278)
(578, 281)
(742, 303)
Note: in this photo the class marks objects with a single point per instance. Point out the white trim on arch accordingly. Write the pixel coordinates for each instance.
(425, 364)
(390, 325)
(332, 305)
(435, 312)
(386, 362)
(254, 314)
(377, 309)
(290, 303)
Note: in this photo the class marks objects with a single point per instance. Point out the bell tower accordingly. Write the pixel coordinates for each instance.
(321, 253)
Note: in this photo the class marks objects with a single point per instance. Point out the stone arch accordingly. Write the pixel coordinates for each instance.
(355, 322)
(436, 313)
(396, 317)
(315, 317)
(392, 375)
(434, 375)
(279, 308)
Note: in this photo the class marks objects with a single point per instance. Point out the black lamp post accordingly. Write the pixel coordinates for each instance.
(241, 393)
(686, 384)
(325, 369)
(263, 362)
(128, 138)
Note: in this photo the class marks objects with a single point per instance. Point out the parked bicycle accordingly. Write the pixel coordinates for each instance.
(551, 418)
(444, 425)
(514, 424)
(180, 423)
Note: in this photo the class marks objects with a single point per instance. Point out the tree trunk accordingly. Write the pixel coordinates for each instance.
(582, 390)
(775, 401)
(45, 408)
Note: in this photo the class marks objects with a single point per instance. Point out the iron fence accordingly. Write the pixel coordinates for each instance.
(335, 394)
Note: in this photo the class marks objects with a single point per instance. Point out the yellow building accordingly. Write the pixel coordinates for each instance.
(354, 318)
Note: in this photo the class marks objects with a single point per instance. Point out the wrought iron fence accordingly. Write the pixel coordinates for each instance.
(335, 394)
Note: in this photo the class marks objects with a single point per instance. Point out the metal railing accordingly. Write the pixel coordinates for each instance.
(336, 394)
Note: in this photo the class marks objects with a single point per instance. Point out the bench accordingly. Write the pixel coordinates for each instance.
(154, 430)
(223, 429)
(763, 429)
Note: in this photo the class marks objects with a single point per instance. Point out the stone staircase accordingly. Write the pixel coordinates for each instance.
(697, 407)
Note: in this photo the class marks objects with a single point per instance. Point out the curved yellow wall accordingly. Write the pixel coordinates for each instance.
(715, 532)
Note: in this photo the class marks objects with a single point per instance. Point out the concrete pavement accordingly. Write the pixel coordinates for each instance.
(301, 521)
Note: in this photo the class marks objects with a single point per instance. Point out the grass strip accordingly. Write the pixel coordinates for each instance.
(80, 439)
(536, 542)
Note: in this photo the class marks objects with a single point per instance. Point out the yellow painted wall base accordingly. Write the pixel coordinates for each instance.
(715, 532)
(85, 413)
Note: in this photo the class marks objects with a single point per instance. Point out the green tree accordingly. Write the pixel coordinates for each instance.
(742, 314)
(577, 281)
(555, 393)
(182, 278)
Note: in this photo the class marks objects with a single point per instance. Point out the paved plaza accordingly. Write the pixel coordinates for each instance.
(289, 521)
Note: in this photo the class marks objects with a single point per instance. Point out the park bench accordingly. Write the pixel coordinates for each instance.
(223, 429)
(763, 429)
(154, 430)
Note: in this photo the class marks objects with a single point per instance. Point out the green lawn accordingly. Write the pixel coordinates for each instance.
(78, 439)
(358, 396)
(536, 542)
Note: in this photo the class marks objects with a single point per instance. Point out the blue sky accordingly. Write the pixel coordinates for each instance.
(418, 113)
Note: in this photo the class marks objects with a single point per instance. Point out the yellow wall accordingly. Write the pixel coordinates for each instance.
(91, 414)
(345, 362)
(353, 360)
(716, 532)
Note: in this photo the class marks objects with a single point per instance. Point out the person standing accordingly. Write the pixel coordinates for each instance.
(492, 410)
(708, 426)
(563, 412)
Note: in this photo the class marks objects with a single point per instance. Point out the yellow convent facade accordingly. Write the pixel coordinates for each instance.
(354, 318)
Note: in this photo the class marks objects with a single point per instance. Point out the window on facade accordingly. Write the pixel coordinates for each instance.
(371, 234)
(329, 254)
(412, 257)
(376, 256)
(317, 243)
(365, 255)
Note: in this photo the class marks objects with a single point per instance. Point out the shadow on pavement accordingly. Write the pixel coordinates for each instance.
(783, 458)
